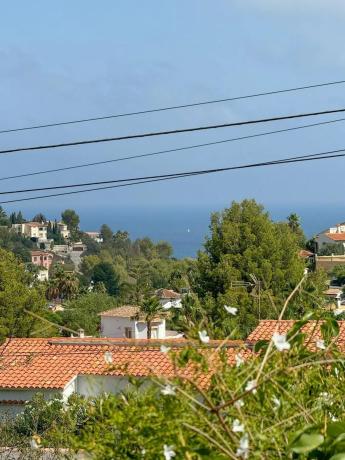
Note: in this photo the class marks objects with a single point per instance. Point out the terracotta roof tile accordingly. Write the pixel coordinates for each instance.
(167, 294)
(266, 328)
(336, 236)
(52, 363)
(126, 311)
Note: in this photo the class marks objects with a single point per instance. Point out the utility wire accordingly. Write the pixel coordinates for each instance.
(173, 107)
(159, 176)
(160, 152)
(169, 132)
(311, 157)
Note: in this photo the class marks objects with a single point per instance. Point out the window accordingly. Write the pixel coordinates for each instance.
(128, 333)
(154, 333)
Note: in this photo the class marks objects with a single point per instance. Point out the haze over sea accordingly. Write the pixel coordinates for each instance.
(186, 227)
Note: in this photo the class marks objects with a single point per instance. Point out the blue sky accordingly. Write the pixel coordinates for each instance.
(65, 60)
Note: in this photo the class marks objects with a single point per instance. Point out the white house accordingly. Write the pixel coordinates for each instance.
(31, 230)
(96, 236)
(169, 298)
(126, 322)
(334, 234)
(86, 366)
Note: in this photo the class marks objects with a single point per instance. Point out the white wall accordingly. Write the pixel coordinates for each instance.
(94, 385)
(141, 329)
(69, 389)
(112, 326)
(10, 410)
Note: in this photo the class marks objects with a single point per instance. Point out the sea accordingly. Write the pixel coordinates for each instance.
(186, 227)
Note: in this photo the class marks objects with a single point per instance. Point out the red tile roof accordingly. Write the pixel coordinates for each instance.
(167, 294)
(336, 236)
(266, 328)
(126, 311)
(304, 254)
(52, 363)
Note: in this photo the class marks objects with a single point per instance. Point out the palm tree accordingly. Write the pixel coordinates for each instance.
(294, 222)
(68, 285)
(150, 309)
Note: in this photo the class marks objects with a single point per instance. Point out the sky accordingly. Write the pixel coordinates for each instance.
(69, 60)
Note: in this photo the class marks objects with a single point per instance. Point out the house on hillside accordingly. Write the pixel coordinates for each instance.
(96, 236)
(86, 366)
(127, 322)
(169, 298)
(42, 259)
(331, 235)
(33, 230)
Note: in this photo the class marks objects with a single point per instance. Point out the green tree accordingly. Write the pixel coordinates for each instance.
(105, 273)
(164, 249)
(83, 312)
(18, 295)
(106, 233)
(62, 285)
(3, 217)
(150, 309)
(245, 242)
(329, 249)
(39, 218)
(71, 219)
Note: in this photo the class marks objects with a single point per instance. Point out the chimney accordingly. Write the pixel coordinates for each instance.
(81, 333)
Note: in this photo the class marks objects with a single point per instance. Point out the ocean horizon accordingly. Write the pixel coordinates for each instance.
(186, 228)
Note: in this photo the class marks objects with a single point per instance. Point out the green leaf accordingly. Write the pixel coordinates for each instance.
(260, 345)
(307, 442)
(335, 429)
(330, 328)
(340, 456)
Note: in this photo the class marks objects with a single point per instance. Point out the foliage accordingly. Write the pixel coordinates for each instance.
(338, 275)
(329, 249)
(248, 261)
(278, 404)
(105, 273)
(150, 309)
(83, 312)
(71, 219)
(19, 245)
(62, 284)
(18, 294)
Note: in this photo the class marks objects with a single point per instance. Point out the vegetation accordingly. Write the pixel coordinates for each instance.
(248, 262)
(19, 296)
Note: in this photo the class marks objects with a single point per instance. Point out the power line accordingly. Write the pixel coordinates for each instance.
(170, 132)
(173, 107)
(160, 152)
(159, 176)
(303, 158)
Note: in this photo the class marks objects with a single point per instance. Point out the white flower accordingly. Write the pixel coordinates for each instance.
(243, 449)
(204, 337)
(168, 452)
(239, 360)
(280, 341)
(168, 390)
(34, 444)
(239, 403)
(276, 402)
(321, 344)
(231, 310)
(237, 426)
(165, 349)
(338, 312)
(167, 306)
(108, 357)
(251, 386)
